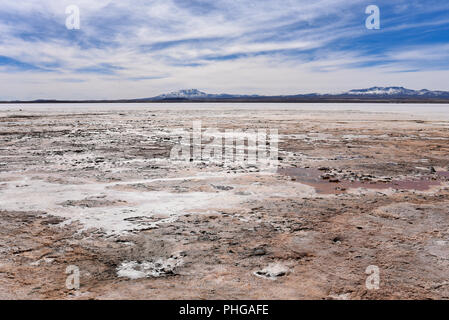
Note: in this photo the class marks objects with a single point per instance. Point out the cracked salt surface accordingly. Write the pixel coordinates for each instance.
(43, 196)
(128, 210)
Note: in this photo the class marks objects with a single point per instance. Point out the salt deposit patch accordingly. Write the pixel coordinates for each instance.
(273, 271)
(438, 248)
(129, 210)
(161, 267)
(47, 197)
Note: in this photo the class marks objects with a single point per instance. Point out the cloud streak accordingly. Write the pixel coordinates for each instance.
(128, 49)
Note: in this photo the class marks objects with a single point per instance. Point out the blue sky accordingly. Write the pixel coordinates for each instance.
(128, 49)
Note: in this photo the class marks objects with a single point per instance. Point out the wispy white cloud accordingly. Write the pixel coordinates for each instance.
(142, 48)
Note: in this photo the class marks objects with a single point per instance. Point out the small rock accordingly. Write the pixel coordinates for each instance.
(259, 251)
(224, 188)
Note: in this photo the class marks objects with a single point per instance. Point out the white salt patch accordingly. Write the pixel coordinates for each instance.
(136, 208)
(273, 271)
(344, 296)
(128, 270)
(134, 270)
(355, 136)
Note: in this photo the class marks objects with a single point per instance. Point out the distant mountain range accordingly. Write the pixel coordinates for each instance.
(374, 94)
(398, 92)
(196, 94)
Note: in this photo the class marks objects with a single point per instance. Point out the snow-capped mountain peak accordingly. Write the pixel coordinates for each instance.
(186, 93)
(382, 91)
(396, 92)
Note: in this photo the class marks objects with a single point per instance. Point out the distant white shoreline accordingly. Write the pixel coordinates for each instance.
(430, 111)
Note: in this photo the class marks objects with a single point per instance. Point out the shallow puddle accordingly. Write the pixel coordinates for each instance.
(312, 177)
(443, 174)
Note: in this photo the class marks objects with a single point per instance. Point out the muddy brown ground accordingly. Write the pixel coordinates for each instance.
(96, 189)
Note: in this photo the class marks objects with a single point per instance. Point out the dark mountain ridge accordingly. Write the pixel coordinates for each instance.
(373, 94)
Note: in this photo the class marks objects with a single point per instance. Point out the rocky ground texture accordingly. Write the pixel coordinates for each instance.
(96, 189)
